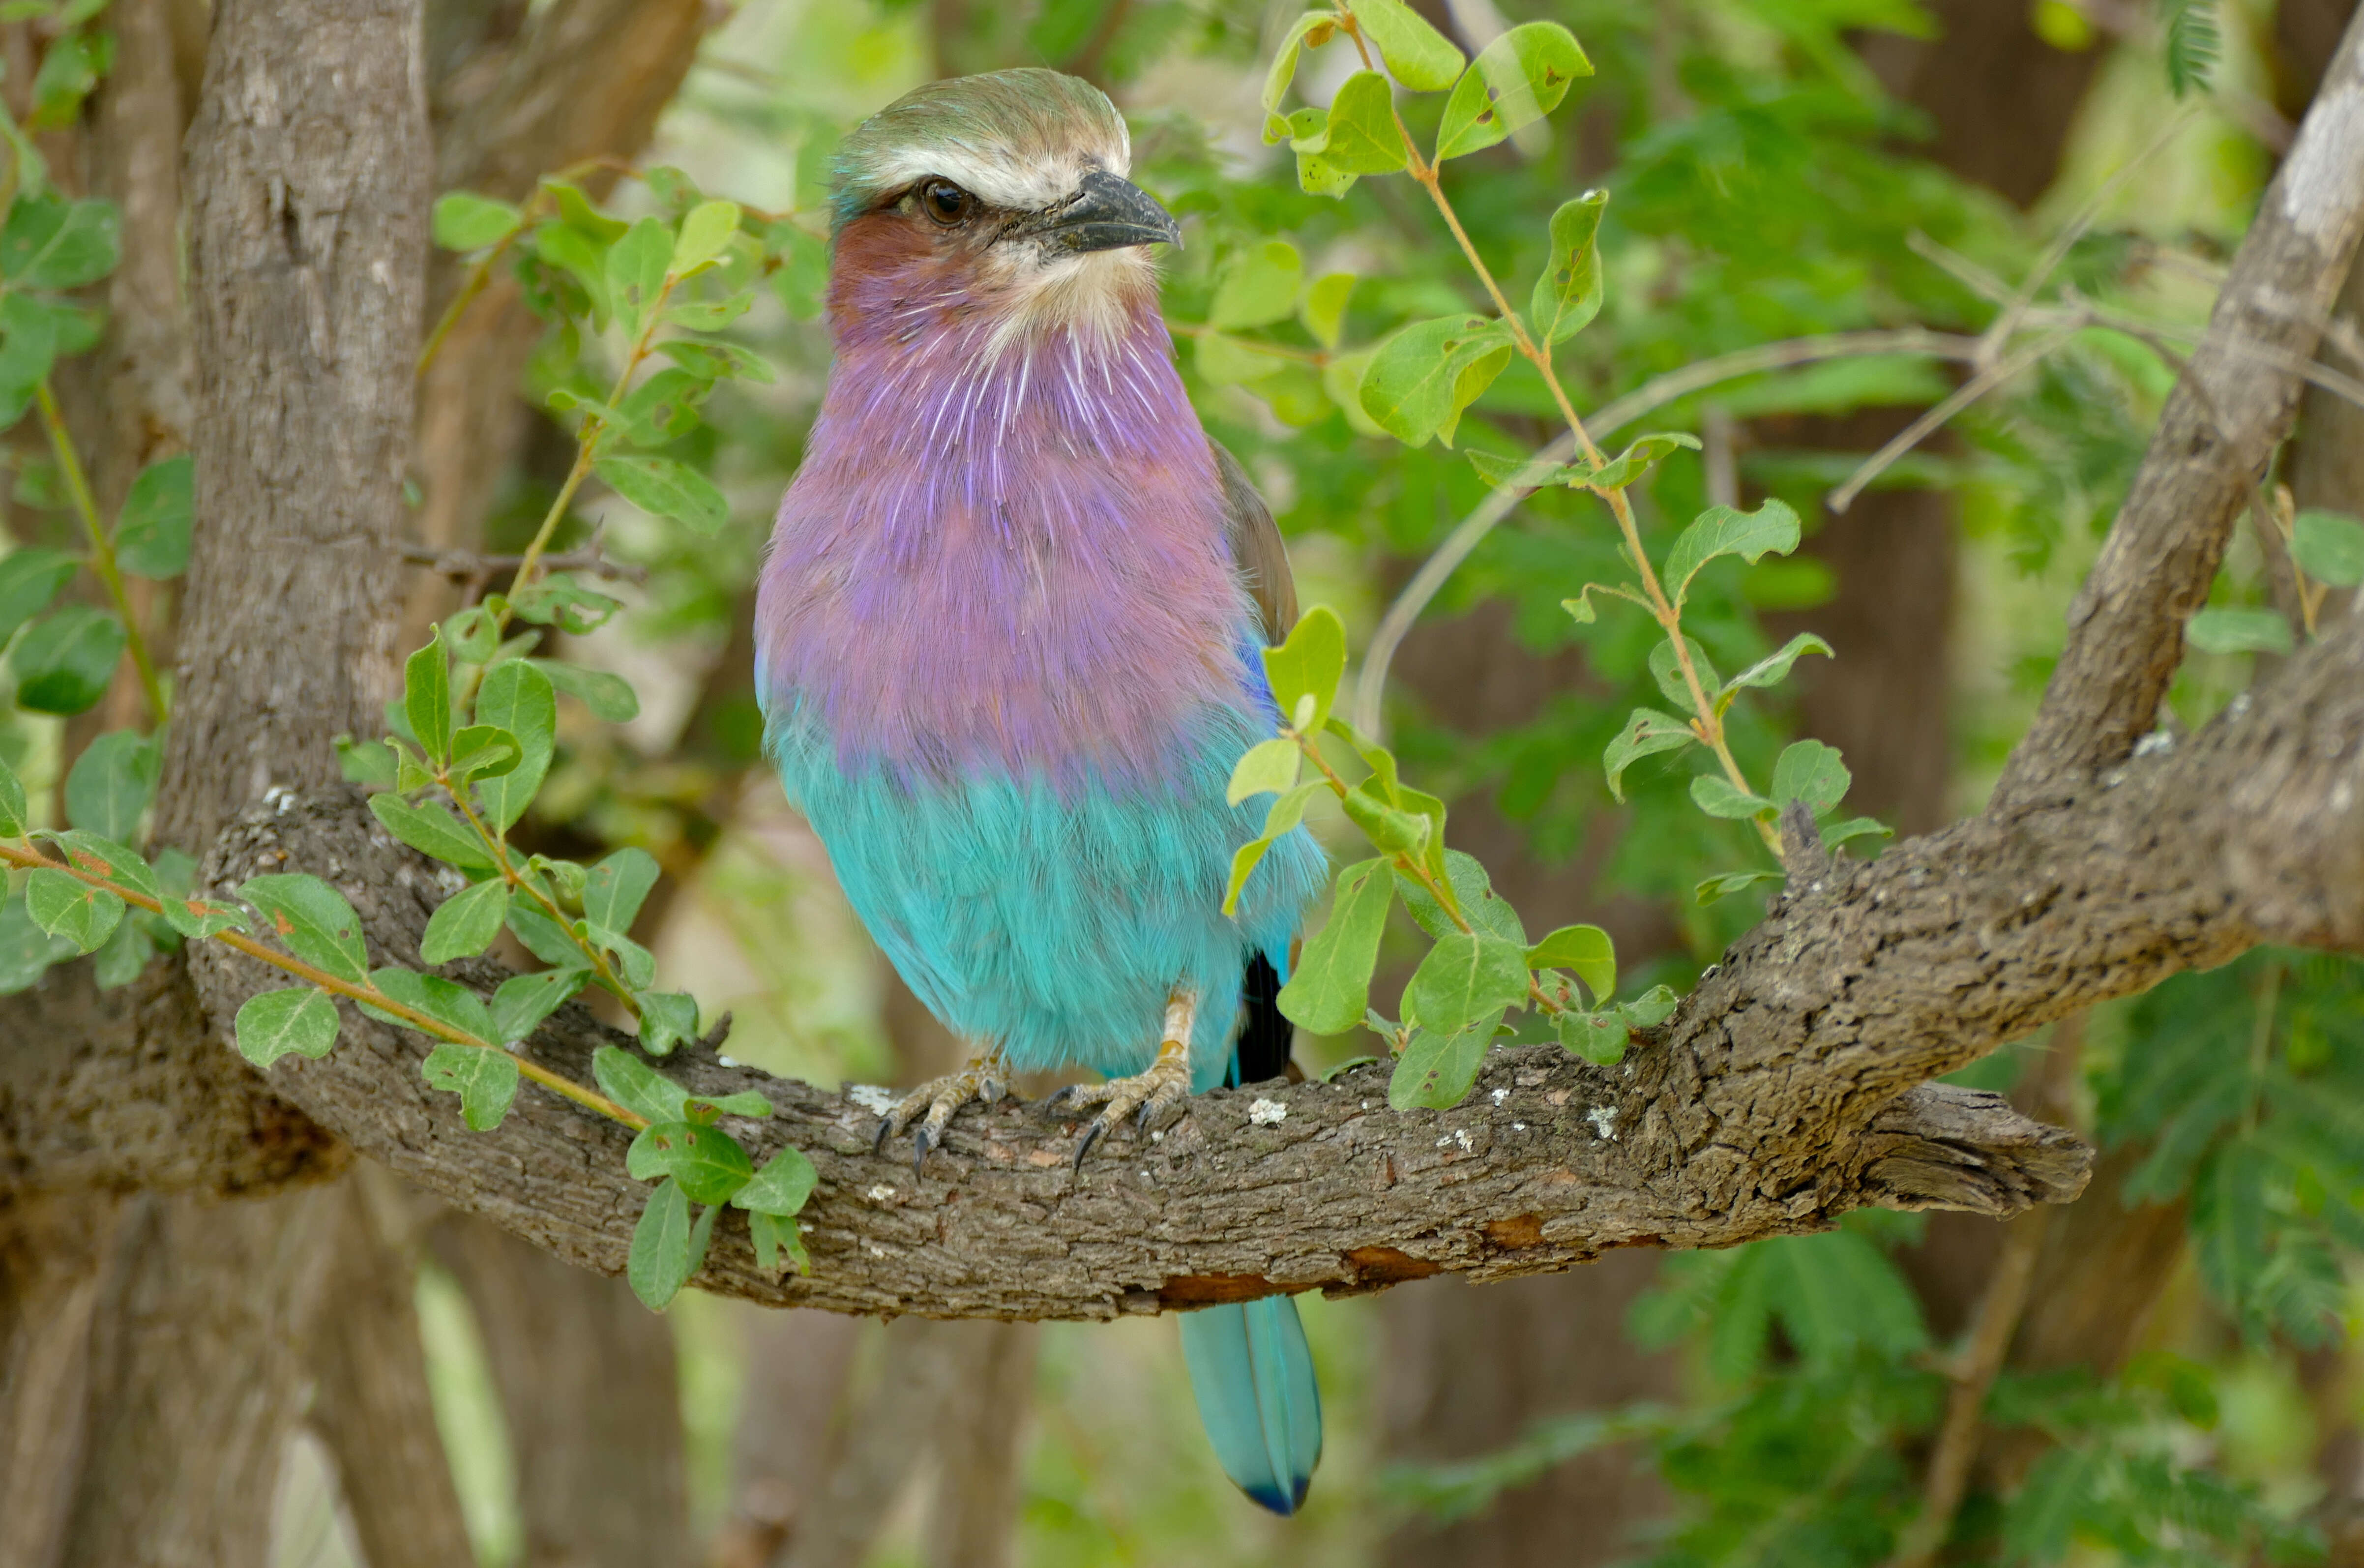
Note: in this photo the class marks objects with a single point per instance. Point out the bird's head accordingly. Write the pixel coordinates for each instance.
(1002, 194)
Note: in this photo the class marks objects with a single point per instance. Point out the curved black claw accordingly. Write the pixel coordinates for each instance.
(919, 1147)
(1091, 1136)
(885, 1131)
(1058, 1096)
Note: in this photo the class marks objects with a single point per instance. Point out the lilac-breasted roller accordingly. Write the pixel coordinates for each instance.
(1007, 649)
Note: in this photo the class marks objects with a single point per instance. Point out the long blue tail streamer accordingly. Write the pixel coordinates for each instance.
(1253, 1374)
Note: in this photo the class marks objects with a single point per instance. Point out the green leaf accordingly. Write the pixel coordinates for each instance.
(2329, 548)
(1814, 772)
(1418, 55)
(745, 1102)
(1310, 664)
(564, 601)
(1359, 135)
(667, 1017)
(782, 1186)
(272, 1024)
(112, 783)
(663, 1248)
(465, 924)
(634, 963)
(580, 257)
(1473, 892)
(1633, 463)
(26, 951)
(28, 350)
(614, 890)
(1244, 859)
(516, 696)
(776, 1236)
(1388, 828)
(636, 272)
(2193, 45)
(1257, 286)
(1420, 378)
(68, 907)
(1569, 293)
(431, 830)
(426, 698)
(1837, 833)
(1587, 950)
(486, 1081)
(1330, 989)
(448, 1002)
(1772, 669)
(1516, 80)
(1717, 796)
(545, 938)
(1324, 308)
(711, 360)
(708, 1161)
(1311, 30)
(151, 531)
(610, 698)
(661, 408)
(665, 487)
(705, 232)
(50, 242)
(15, 817)
(1465, 978)
(312, 920)
(1730, 883)
(637, 1086)
(524, 1000)
(467, 221)
(1651, 1008)
(29, 579)
(1669, 671)
(66, 660)
(1646, 733)
(2221, 631)
(1599, 1038)
(1724, 530)
(1435, 1070)
(482, 750)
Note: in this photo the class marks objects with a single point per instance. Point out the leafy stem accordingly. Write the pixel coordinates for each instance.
(497, 847)
(26, 857)
(102, 549)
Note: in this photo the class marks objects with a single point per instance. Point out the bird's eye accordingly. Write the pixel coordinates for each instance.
(945, 201)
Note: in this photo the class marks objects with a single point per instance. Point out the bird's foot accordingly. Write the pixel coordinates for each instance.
(1145, 1095)
(934, 1103)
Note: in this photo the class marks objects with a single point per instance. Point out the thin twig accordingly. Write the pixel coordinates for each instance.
(463, 565)
(1986, 380)
(102, 548)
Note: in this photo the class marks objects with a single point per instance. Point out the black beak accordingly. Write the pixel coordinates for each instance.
(1107, 213)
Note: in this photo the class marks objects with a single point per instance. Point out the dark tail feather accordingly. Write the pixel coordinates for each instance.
(1265, 1036)
(1252, 1375)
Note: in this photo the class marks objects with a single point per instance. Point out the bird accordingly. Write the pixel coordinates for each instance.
(1008, 632)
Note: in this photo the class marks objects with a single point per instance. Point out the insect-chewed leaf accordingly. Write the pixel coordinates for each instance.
(151, 531)
(1311, 30)
(667, 1017)
(1726, 530)
(1323, 306)
(1724, 886)
(299, 1021)
(1310, 664)
(780, 1187)
(1515, 81)
(666, 487)
(467, 221)
(1814, 772)
(1436, 1069)
(112, 783)
(1258, 285)
(706, 231)
(447, 1002)
(1418, 55)
(1467, 978)
(1648, 731)
(29, 578)
(66, 658)
(1773, 668)
(1599, 1038)
(634, 963)
(665, 1249)
(1330, 989)
(486, 1081)
(15, 817)
(614, 889)
(1719, 797)
(524, 1000)
(517, 697)
(68, 907)
(312, 920)
(2328, 548)
(1588, 951)
(1569, 293)
(708, 1161)
(610, 698)
(431, 830)
(465, 924)
(2220, 630)
(426, 698)
(637, 1086)
(1420, 378)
